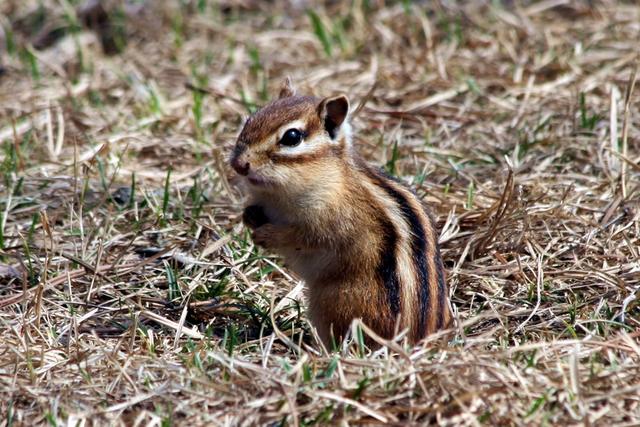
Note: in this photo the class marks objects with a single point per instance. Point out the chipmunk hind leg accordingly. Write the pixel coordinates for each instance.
(332, 308)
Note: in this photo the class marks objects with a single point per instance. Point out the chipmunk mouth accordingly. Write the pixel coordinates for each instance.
(258, 181)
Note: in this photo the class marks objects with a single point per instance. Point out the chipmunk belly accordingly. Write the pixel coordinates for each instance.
(310, 264)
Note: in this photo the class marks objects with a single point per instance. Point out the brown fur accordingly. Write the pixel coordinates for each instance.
(277, 113)
(325, 152)
(347, 229)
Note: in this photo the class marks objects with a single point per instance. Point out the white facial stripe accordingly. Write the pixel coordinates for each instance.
(307, 146)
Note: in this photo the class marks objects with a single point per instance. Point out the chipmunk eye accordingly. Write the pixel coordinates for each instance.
(291, 138)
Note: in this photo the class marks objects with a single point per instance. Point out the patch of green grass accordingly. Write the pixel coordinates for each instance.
(9, 165)
(2, 225)
(324, 417)
(202, 6)
(484, 417)
(166, 195)
(132, 190)
(362, 385)
(198, 98)
(95, 98)
(146, 336)
(254, 58)
(9, 40)
(451, 26)
(530, 138)
(390, 166)
(31, 63)
(321, 32)
(155, 104)
(178, 28)
(473, 86)
(104, 181)
(230, 339)
(172, 284)
(536, 405)
(588, 121)
(360, 341)
(331, 368)
(340, 33)
(471, 192)
(118, 29)
(51, 419)
(248, 103)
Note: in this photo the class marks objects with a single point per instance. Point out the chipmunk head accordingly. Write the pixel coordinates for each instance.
(291, 140)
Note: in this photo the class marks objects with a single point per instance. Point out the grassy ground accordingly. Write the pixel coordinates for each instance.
(130, 293)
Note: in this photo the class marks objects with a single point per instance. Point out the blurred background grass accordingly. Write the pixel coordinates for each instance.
(130, 294)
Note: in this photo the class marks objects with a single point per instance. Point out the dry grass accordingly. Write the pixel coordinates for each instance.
(130, 294)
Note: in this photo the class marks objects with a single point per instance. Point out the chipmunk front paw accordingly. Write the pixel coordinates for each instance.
(254, 216)
(266, 235)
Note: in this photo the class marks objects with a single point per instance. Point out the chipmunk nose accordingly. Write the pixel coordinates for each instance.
(240, 165)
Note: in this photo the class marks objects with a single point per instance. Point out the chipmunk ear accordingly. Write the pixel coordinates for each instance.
(333, 112)
(286, 89)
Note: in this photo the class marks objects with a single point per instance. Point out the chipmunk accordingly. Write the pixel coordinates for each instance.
(363, 243)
